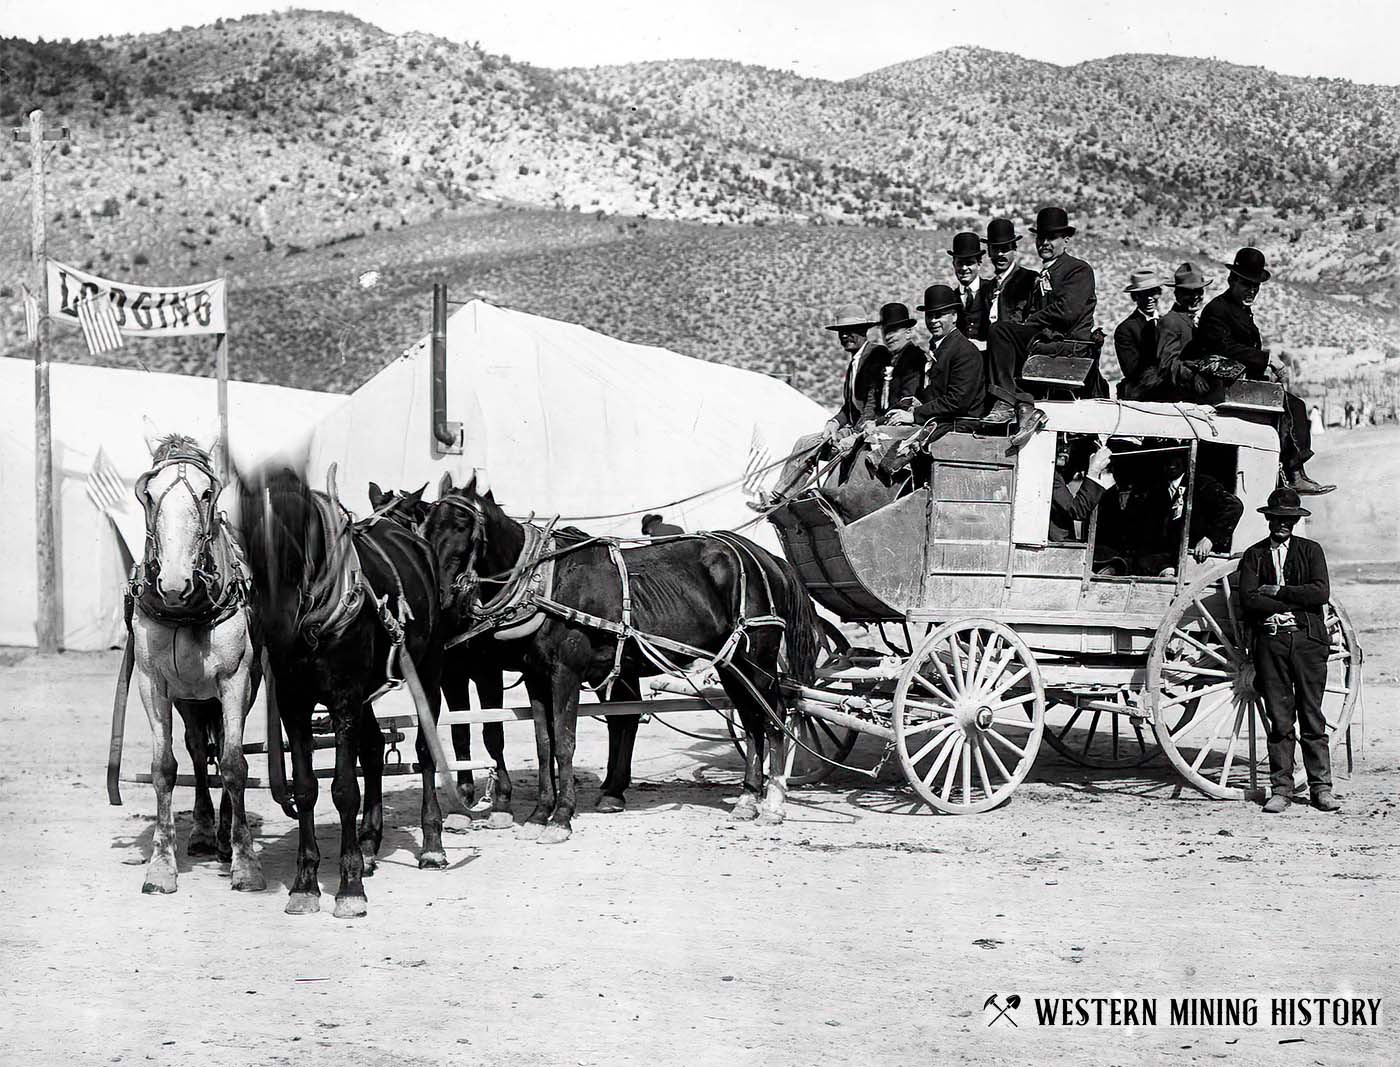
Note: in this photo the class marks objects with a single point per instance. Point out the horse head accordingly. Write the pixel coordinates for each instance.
(180, 495)
(404, 508)
(473, 539)
(282, 534)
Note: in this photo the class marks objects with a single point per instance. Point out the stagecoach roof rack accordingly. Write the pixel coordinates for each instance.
(1133, 418)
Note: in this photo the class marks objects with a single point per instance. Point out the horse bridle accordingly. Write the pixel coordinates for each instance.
(467, 582)
(205, 506)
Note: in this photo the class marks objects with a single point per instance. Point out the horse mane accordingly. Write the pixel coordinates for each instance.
(174, 444)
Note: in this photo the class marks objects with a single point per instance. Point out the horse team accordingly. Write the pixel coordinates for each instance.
(326, 610)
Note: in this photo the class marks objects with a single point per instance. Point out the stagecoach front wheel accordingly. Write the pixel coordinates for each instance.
(969, 711)
(1200, 688)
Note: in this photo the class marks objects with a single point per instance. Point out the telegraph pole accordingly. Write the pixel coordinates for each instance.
(46, 619)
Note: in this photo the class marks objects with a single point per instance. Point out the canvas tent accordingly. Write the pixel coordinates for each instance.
(567, 421)
(100, 409)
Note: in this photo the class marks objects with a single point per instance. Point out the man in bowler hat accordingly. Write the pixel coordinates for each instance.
(906, 356)
(972, 290)
(1227, 329)
(1009, 289)
(1283, 589)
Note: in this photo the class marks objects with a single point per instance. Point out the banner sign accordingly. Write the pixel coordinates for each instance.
(141, 311)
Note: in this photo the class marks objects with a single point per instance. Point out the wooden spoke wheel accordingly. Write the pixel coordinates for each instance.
(1200, 688)
(1099, 732)
(818, 742)
(968, 715)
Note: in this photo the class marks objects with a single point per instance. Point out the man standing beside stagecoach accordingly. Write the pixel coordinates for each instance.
(1283, 589)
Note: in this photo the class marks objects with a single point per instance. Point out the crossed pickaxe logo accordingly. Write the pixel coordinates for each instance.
(1012, 1002)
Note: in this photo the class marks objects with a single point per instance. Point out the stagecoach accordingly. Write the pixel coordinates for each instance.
(996, 638)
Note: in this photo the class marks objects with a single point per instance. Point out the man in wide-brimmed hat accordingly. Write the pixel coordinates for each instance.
(1135, 339)
(1283, 590)
(1227, 329)
(1177, 377)
(972, 290)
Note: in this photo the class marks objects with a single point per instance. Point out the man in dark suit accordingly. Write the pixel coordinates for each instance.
(973, 290)
(904, 355)
(1009, 289)
(1060, 309)
(1283, 589)
(1227, 329)
(1067, 506)
(1135, 339)
(1177, 378)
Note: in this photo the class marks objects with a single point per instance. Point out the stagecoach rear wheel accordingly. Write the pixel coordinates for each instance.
(1200, 688)
(969, 712)
(1090, 734)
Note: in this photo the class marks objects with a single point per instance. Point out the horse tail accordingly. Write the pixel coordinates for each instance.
(802, 629)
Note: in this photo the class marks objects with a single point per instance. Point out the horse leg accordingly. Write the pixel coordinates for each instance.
(203, 836)
(457, 693)
(752, 720)
(622, 735)
(305, 896)
(432, 857)
(372, 766)
(161, 874)
(493, 735)
(235, 694)
(565, 690)
(774, 808)
(345, 791)
(541, 710)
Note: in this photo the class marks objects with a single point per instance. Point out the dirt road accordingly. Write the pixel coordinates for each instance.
(857, 932)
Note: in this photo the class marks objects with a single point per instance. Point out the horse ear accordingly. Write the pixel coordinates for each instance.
(376, 495)
(445, 484)
(490, 495)
(470, 487)
(417, 494)
(152, 433)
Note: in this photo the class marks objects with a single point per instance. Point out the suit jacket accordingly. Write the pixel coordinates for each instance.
(974, 324)
(1067, 508)
(955, 385)
(861, 395)
(1135, 342)
(1177, 347)
(1227, 329)
(1062, 299)
(1012, 296)
(1304, 585)
(1139, 527)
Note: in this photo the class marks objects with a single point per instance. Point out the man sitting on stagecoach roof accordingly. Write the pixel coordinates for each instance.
(1227, 329)
(906, 355)
(948, 382)
(1009, 289)
(1135, 339)
(1177, 348)
(973, 292)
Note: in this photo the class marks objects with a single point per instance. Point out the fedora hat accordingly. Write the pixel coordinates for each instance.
(851, 317)
(1140, 281)
(1284, 501)
(967, 245)
(1189, 276)
(1051, 222)
(1001, 232)
(939, 300)
(893, 316)
(1249, 265)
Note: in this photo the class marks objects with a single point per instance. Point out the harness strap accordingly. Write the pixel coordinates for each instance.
(615, 553)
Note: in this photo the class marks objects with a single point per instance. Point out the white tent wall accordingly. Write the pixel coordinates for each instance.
(102, 407)
(567, 421)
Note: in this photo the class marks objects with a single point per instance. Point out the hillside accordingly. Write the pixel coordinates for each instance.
(290, 151)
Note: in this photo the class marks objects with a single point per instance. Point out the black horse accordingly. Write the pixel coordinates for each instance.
(698, 591)
(478, 662)
(331, 594)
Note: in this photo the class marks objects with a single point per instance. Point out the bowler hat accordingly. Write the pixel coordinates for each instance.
(1051, 222)
(939, 300)
(1001, 232)
(1284, 502)
(893, 316)
(1249, 265)
(966, 245)
(851, 317)
(1140, 281)
(1190, 276)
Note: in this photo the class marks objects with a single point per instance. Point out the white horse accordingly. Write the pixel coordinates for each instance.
(196, 647)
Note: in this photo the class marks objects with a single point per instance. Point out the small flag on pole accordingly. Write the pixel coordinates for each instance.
(105, 486)
(31, 314)
(99, 323)
(759, 459)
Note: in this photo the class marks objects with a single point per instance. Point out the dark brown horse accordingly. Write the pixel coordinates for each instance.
(330, 596)
(716, 594)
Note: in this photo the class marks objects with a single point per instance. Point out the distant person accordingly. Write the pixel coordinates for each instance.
(1177, 348)
(906, 355)
(652, 526)
(1349, 415)
(1227, 329)
(1135, 339)
(1316, 422)
(973, 292)
(1283, 589)
(864, 382)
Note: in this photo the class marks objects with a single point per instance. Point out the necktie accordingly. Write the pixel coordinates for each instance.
(1178, 493)
(967, 298)
(995, 298)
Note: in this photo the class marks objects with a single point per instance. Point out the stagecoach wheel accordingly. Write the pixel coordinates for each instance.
(1200, 688)
(969, 711)
(1106, 740)
(817, 742)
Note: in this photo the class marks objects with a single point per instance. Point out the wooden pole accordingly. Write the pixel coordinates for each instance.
(221, 372)
(46, 618)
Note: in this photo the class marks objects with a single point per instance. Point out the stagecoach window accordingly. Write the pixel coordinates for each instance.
(1139, 528)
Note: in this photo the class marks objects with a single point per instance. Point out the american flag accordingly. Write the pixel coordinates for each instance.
(31, 314)
(759, 458)
(99, 323)
(105, 486)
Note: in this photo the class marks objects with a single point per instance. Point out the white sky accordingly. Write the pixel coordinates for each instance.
(1353, 39)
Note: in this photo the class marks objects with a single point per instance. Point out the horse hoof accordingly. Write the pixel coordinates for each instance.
(303, 904)
(554, 834)
(611, 805)
(530, 831)
(201, 846)
(225, 854)
(350, 907)
(432, 861)
(249, 880)
(160, 877)
(746, 810)
(500, 820)
(770, 818)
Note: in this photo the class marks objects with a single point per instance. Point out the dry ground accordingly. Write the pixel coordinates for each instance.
(857, 932)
